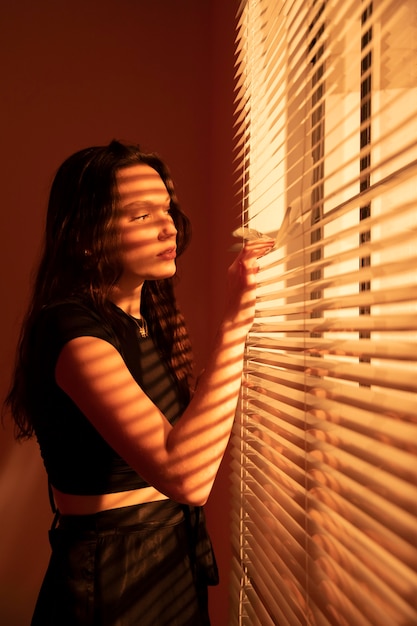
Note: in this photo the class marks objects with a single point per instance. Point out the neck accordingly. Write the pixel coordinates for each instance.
(128, 301)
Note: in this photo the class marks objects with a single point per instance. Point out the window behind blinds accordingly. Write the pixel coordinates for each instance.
(324, 450)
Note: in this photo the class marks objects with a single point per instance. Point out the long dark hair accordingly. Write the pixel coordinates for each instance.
(81, 258)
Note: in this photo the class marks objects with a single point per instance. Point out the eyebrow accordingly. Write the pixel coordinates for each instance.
(144, 204)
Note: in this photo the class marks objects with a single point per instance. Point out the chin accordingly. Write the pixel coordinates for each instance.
(167, 274)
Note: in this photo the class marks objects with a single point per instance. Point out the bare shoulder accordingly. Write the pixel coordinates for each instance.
(88, 360)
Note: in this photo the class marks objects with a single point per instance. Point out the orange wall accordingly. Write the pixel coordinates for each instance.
(78, 73)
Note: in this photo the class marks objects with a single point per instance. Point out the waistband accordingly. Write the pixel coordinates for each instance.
(161, 512)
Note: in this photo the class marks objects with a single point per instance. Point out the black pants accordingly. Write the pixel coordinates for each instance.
(144, 565)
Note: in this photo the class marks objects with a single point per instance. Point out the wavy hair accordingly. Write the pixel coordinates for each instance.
(81, 258)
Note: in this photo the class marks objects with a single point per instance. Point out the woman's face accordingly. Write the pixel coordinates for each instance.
(148, 234)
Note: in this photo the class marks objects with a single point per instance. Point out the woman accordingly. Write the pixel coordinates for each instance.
(103, 380)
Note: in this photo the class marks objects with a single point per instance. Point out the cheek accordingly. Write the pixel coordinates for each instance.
(136, 241)
(138, 252)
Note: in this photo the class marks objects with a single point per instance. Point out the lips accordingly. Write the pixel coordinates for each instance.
(168, 254)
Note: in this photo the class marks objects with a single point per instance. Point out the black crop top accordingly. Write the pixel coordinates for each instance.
(77, 459)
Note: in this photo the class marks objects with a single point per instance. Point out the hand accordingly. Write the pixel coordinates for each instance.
(240, 305)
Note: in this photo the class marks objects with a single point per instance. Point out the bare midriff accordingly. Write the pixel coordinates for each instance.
(69, 504)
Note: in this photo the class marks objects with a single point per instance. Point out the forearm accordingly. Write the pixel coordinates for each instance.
(198, 441)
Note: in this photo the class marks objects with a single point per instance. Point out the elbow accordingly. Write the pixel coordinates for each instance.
(194, 501)
(187, 482)
(190, 493)
(197, 500)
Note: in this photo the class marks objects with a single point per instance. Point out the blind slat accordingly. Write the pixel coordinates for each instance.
(388, 349)
(362, 373)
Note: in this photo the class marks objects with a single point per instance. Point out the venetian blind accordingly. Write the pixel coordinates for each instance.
(324, 450)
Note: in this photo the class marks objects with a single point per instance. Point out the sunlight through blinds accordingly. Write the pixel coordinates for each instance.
(324, 449)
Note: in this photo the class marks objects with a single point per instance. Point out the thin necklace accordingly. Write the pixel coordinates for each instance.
(141, 325)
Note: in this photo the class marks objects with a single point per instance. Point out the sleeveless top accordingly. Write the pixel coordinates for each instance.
(76, 457)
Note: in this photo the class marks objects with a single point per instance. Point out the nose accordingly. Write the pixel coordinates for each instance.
(167, 228)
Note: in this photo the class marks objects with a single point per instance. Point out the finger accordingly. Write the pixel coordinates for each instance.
(253, 243)
(257, 249)
(265, 241)
(258, 244)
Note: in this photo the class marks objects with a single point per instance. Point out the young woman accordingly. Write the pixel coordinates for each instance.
(103, 380)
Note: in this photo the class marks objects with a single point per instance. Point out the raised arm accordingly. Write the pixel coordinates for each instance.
(181, 461)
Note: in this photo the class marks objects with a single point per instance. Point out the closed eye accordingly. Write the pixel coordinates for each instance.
(141, 218)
